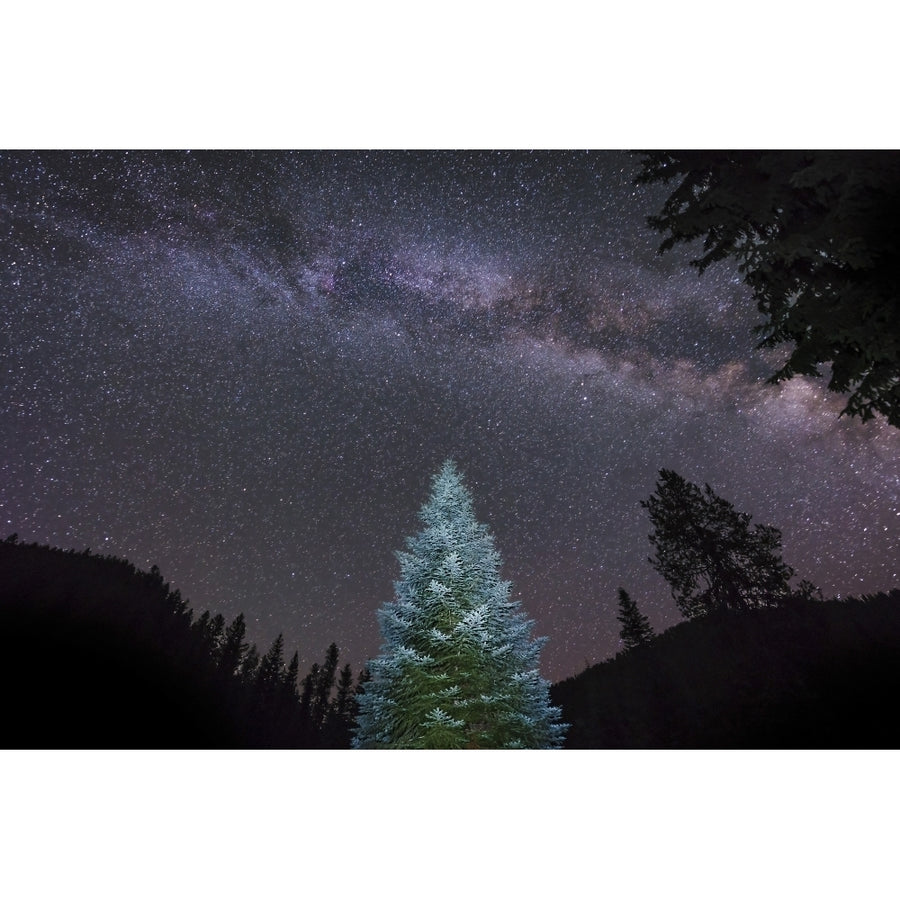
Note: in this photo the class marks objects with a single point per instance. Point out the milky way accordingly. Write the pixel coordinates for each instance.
(245, 367)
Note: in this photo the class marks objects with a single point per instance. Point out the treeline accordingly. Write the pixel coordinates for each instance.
(807, 674)
(763, 661)
(268, 694)
(98, 654)
(713, 557)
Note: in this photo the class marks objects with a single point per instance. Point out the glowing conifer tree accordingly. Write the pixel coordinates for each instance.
(458, 666)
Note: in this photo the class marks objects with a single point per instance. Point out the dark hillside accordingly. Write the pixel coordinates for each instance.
(97, 654)
(810, 675)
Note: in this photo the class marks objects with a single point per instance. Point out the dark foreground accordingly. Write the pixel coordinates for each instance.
(814, 675)
(97, 654)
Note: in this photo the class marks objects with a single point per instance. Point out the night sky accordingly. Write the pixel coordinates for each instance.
(245, 367)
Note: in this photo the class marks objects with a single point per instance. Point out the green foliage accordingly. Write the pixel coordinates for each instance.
(816, 235)
(636, 627)
(708, 552)
(458, 668)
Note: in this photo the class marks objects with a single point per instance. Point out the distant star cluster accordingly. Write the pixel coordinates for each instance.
(244, 367)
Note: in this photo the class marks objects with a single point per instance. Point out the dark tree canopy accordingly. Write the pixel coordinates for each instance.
(636, 627)
(708, 552)
(816, 235)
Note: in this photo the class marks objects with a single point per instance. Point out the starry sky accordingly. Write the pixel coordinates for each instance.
(245, 368)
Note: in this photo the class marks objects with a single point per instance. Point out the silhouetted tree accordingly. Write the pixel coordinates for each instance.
(806, 591)
(233, 646)
(344, 699)
(290, 679)
(271, 668)
(217, 633)
(307, 693)
(201, 624)
(339, 721)
(250, 664)
(211, 630)
(708, 552)
(816, 235)
(636, 627)
(365, 676)
(458, 667)
(323, 687)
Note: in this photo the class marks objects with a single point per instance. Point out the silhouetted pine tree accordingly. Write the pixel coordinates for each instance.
(201, 623)
(217, 634)
(250, 665)
(708, 552)
(365, 676)
(636, 627)
(323, 688)
(233, 647)
(211, 630)
(339, 721)
(306, 700)
(271, 669)
(290, 679)
(344, 699)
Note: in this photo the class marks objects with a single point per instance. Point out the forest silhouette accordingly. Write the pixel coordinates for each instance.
(807, 675)
(103, 655)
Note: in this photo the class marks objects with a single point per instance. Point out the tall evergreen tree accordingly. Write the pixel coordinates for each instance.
(309, 686)
(364, 677)
(233, 647)
(458, 667)
(250, 664)
(636, 627)
(339, 721)
(344, 699)
(271, 667)
(210, 629)
(708, 552)
(201, 624)
(290, 679)
(323, 687)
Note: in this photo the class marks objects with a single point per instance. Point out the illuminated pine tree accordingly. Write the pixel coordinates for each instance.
(458, 666)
